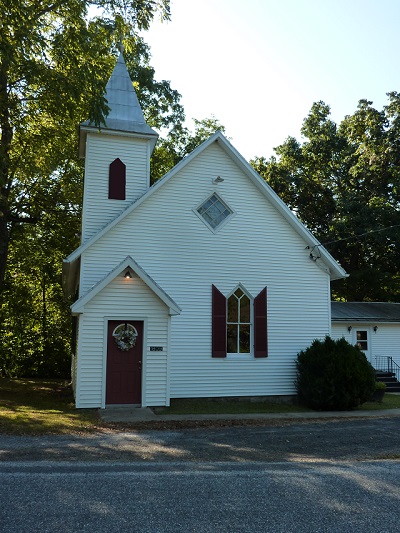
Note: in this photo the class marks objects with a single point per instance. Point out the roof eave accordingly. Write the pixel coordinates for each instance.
(365, 320)
(334, 269)
(79, 306)
(70, 276)
(84, 129)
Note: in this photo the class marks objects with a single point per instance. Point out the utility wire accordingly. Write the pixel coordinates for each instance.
(353, 236)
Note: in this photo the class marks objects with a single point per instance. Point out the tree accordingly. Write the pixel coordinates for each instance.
(53, 70)
(53, 65)
(369, 204)
(343, 183)
(179, 142)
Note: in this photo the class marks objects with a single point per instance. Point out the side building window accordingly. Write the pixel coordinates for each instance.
(239, 323)
(117, 180)
(362, 339)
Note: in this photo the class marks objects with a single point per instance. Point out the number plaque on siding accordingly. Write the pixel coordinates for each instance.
(156, 348)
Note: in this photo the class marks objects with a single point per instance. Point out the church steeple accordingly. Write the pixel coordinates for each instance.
(117, 155)
(125, 113)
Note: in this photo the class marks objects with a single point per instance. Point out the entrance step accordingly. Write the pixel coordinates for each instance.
(127, 414)
(392, 385)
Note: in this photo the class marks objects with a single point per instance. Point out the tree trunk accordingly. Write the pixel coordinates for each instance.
(4, 240)
(5, 147)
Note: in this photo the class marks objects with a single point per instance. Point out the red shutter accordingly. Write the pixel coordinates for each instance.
(260, 325)
(218, 323)
(117, 180)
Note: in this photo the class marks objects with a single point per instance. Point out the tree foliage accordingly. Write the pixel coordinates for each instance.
(53, 69)
(54, 65)
(344, 183)
(179, 142)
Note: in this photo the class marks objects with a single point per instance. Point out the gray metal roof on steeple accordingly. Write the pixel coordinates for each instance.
(125, 113)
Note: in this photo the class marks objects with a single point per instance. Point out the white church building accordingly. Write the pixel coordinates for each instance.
(201, 285)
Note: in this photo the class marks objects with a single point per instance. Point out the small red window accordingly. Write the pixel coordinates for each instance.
(117, 180)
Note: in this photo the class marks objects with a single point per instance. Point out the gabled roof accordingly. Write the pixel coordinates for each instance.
(128, 262)
(324, 259)
(125, 113)
(365, 312)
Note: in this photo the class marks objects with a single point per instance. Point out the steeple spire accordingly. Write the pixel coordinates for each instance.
(125, 113)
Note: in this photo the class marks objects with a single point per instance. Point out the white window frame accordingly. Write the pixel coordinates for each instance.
(222, 224)
(251, 323)
(368, 351)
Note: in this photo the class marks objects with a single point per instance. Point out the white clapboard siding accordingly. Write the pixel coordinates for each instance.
(340, 330)
(257, 247)
(101, 150)
(385, 342)
(129, 300)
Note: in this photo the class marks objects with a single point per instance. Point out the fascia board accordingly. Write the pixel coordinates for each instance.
(368, 322)
(84, 130)
(335, 270)
(153, 285)
(118, 133)
(128, 262)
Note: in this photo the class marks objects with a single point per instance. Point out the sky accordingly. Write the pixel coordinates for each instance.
(258, 65)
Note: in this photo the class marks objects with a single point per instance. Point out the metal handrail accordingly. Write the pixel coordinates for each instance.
(386, 364)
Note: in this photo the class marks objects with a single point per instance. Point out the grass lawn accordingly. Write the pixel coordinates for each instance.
(201, 406)
(390, 401)
(40, 406)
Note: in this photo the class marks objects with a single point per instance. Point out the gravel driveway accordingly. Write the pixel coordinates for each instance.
(287, 441)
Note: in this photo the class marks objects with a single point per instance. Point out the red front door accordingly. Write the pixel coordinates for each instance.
(124, 362)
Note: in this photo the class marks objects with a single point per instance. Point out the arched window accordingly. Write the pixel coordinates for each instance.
(239, 323)
(117, 180)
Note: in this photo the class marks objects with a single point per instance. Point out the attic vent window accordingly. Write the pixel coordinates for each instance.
(214, 211)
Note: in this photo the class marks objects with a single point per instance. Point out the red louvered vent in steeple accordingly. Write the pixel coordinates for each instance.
(117, 180)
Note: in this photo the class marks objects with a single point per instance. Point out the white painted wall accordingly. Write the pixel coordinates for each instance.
(383, 343)
(126, 300)
(257, 248)
(101, 150)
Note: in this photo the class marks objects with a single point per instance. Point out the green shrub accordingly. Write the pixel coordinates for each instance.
(333, 375)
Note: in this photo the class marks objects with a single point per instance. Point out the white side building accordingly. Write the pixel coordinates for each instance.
(374, 327)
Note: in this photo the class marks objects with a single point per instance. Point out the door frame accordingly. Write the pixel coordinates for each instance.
(123, 318)
(368, 329)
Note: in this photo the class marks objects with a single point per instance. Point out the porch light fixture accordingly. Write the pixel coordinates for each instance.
(349, 328)
(375, 328)
(128, 275)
